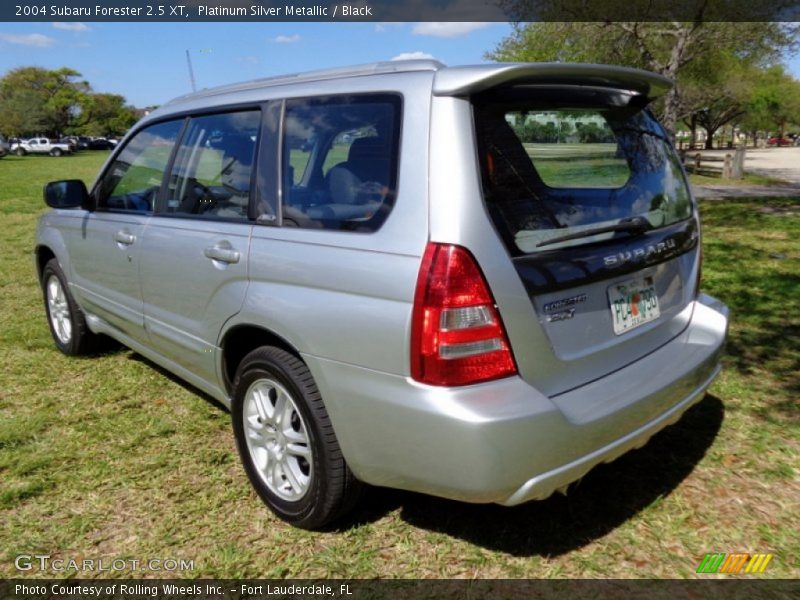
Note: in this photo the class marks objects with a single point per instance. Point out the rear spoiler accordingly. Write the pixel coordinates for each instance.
(469, 80)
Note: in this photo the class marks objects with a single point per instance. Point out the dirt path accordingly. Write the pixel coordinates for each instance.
(779, 163)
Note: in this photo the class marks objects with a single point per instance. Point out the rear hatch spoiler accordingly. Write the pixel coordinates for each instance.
(470, 80)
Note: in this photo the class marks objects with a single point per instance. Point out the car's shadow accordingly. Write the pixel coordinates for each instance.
(177, 380)
(607, 497)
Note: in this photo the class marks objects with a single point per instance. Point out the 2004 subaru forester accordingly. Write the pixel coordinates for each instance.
(475, 282)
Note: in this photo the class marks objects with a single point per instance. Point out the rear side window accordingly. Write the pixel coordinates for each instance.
(213, 168)
(339, 161)
(558, 167)
(134, 178)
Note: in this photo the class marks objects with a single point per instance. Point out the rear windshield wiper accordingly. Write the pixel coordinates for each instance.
(632, 225)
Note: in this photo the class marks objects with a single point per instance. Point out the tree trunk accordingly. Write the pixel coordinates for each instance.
(710, 138)
(671, 107)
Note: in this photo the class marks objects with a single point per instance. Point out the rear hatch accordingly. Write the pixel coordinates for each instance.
(592, 204)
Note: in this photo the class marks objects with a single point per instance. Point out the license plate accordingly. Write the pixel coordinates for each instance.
(633, 303)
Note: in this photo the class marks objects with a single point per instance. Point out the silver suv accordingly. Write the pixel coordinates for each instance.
(474, 282)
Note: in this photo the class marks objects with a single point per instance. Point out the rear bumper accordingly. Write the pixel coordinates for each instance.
(503, 441)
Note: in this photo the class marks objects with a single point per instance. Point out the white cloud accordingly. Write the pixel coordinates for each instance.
(30, 39)
(384, 27)
(78, 27)
(287, 39)
(446, 30)
(412, 55)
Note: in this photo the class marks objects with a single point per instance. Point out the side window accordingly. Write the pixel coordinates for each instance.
(213, 168)
(134, 178)
(347, 149)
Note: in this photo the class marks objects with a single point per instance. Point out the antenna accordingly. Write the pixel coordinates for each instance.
(191, 71)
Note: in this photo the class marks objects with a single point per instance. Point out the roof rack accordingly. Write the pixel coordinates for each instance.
(394, 66)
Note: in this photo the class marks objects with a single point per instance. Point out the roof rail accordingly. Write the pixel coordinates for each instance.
(393, 66)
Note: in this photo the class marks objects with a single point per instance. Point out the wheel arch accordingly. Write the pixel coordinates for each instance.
(239, 341)
(44, 254)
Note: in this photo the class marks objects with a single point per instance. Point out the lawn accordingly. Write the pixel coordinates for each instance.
(110, 457)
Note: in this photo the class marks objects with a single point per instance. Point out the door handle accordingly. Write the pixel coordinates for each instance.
(124, 238)
(226, 255)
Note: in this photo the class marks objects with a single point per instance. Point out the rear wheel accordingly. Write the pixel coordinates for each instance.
(56, 152)
(67, 323)
(286, 441)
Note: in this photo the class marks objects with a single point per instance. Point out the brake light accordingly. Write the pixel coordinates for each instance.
(457, 337)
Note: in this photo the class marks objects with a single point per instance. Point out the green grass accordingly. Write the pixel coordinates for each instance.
(110, 457)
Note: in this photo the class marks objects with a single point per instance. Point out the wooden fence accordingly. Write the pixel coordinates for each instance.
(729, 166)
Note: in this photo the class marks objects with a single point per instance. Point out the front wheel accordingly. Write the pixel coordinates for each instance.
(286, 441)
(20, 152)
(67, 323)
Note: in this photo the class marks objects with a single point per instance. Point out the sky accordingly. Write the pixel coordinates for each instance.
(147, 63)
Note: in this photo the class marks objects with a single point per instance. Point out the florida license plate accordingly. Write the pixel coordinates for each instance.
(633, 303)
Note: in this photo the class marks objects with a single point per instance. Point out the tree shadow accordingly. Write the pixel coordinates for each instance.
(607, 497)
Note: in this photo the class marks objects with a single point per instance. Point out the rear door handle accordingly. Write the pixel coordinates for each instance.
(226, 255)
(125, 238)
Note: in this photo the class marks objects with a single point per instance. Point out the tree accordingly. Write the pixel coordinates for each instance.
(668, 48)
(104, 114)
(774, 102)
(20, 112)
(51, 97)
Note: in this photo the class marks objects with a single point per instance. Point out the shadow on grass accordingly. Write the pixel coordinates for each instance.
(177, 380)
(607, 497)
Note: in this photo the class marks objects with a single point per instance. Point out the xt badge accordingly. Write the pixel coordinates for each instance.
(563, 309)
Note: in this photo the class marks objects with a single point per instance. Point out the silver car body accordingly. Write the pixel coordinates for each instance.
(343, 302)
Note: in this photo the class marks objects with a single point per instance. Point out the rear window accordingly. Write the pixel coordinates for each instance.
(564, 168)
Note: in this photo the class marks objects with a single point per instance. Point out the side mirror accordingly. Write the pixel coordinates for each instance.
(70, 193)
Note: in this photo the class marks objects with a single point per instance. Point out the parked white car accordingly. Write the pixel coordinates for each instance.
(41, 146)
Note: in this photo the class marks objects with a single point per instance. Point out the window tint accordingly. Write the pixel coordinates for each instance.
(551, 183)
(347, 149)
(134, 178)
(212, 172)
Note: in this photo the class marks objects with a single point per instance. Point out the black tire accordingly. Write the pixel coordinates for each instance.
(331, 489)
(20, 152)
(80, 339)
(56, 152)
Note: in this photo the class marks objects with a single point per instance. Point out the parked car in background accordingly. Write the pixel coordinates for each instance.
(69, 142)
(99, 144)
(388, 282)
(5, 147)
(41, 146)
(779, 141)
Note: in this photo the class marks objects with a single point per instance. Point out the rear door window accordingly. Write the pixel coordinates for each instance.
(562, 169)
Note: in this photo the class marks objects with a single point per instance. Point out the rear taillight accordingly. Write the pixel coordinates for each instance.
(457, 337)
